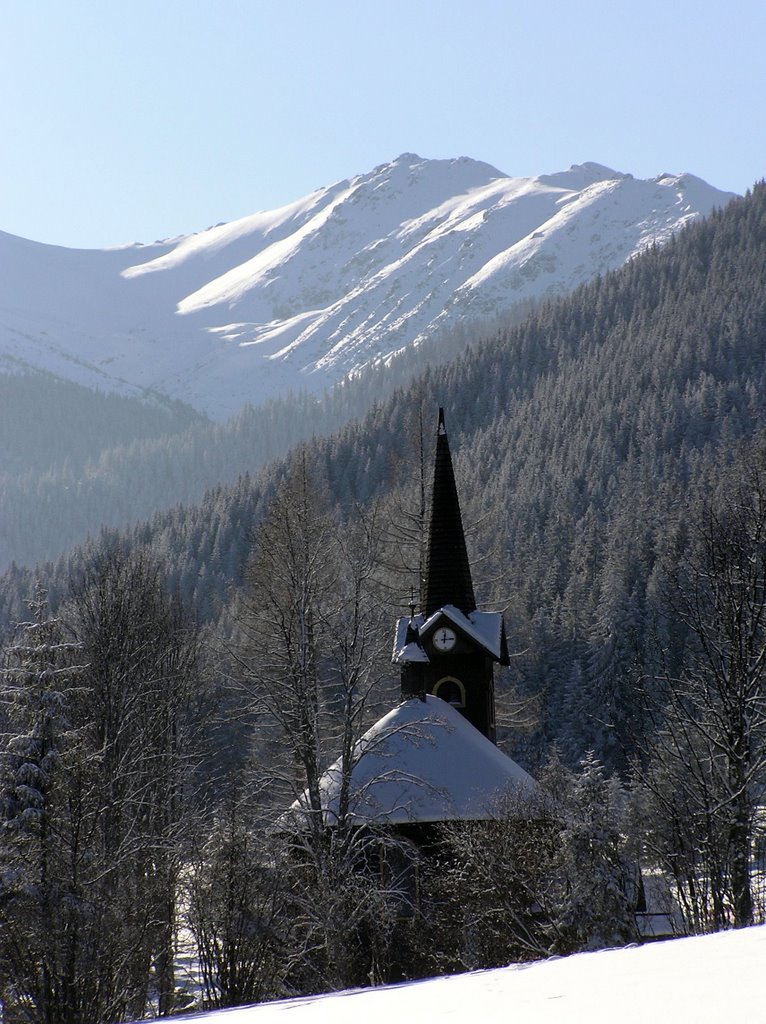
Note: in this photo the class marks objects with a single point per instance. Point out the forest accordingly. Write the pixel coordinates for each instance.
(170, 688)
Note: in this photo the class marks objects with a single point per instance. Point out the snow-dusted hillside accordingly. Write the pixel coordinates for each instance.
(707, 980)
(300, 296)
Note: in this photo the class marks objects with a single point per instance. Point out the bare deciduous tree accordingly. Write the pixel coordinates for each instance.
(237, 911)
(310, 665)
(704, 781)
(143, 713)
(88, 896)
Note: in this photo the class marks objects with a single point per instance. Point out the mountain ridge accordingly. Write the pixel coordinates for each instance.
(299, 297)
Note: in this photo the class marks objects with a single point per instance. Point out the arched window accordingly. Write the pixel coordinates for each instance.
(451, 691)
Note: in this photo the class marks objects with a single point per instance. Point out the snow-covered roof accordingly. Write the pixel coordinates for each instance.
(425, 762)
(412, 652)
(404, 648)
(484, 628)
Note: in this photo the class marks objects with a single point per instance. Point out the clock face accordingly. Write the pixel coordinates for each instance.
(444, 639)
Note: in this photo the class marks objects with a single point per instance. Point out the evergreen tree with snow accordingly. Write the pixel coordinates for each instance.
(41, 903)
(595, 910)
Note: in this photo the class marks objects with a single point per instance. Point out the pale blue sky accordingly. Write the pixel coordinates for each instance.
(142, 119)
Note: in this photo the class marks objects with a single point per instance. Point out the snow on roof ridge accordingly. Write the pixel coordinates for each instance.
(474, 625)
(424, 762)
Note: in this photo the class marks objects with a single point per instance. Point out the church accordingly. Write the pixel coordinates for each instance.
(429, 773)
(433, 758)
(432, 761)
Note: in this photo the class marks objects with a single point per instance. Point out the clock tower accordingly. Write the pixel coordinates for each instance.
(449, 649)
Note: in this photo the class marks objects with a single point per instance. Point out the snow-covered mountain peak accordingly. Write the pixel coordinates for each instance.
(302, 295)
(463, 170)
(580, 176)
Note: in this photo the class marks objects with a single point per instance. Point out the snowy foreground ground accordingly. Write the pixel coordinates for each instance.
(712, 979)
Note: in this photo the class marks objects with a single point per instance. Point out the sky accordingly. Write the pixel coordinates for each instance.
(134, 121)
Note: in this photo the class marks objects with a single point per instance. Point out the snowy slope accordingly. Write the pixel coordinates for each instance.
(300, 296)
(708, 980)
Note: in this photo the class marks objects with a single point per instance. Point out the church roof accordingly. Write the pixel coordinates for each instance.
(447, 578)
(486, 629)
(423, 762)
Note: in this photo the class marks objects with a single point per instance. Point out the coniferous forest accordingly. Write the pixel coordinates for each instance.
(159, 680)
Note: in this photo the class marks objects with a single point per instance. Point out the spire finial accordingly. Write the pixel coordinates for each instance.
(441, 430)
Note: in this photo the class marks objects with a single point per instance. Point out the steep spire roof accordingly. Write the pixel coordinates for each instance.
(447, 579)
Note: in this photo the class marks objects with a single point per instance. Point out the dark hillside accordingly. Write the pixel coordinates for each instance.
(74, 460)
(45, 422)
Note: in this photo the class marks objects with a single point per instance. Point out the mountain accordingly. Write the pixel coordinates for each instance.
(299, 297)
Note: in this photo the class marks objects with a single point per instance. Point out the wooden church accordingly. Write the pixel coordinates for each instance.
(433, 758)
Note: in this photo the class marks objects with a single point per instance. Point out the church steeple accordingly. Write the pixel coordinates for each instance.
(450, 648)
(447, 576)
